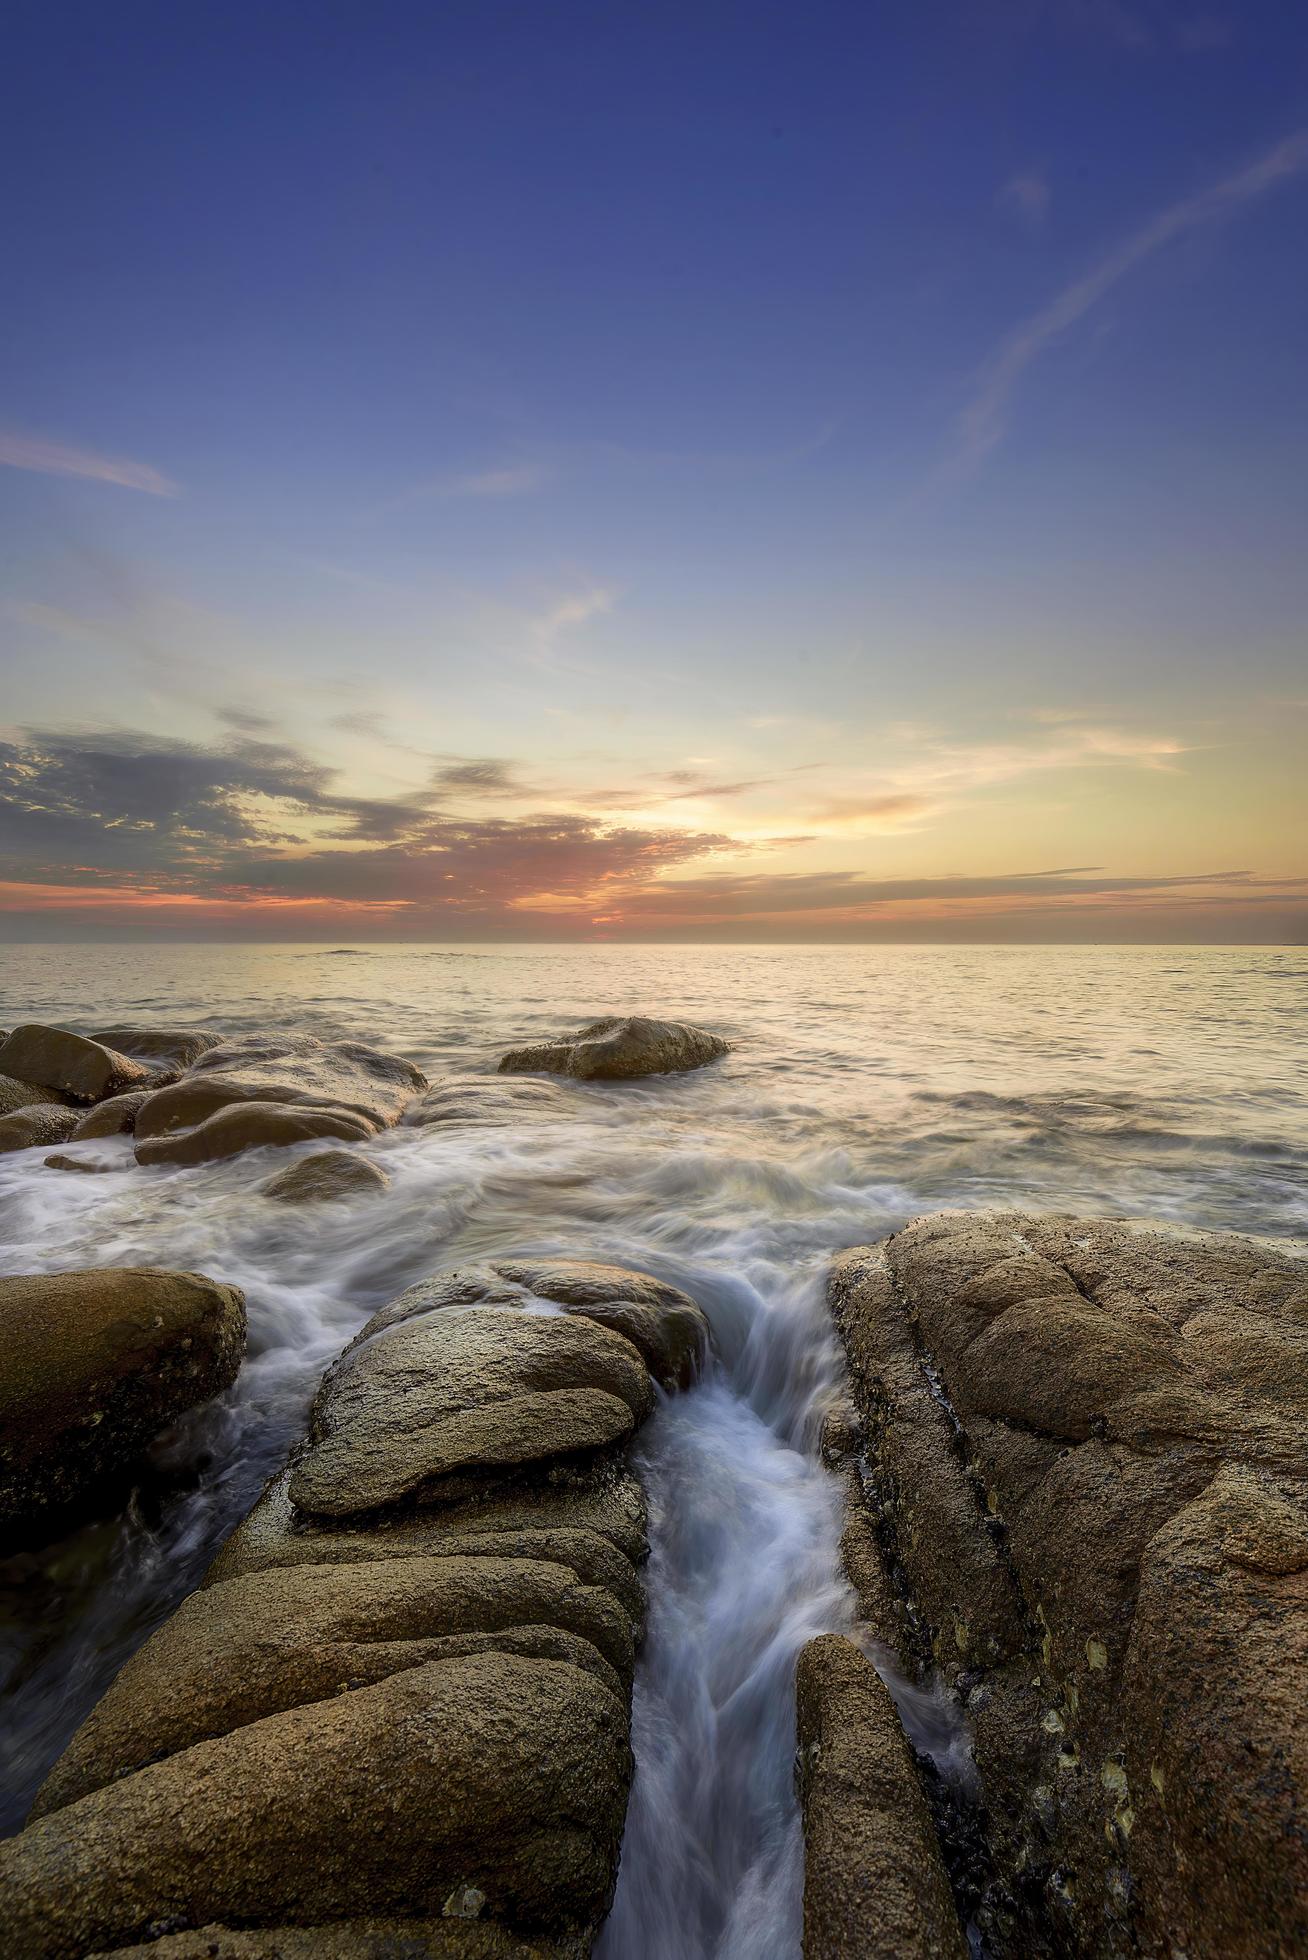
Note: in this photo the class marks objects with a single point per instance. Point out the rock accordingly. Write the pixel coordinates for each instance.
(473, 1390)
(1089, 1446)
(160, 1047)
(326, 1174)
(485, 1099)
(86, 1071)
(21, 1095)
(94, 1364)
(63, 1160)
(619, 1049)
(380, 1728)
(669, 1330)
(249, 1126)
(37, 1126)
(874, 1884)
(114, 1117)
(298, 1069)
(486, 1784)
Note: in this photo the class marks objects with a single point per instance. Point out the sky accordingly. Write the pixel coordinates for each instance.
(727, 472)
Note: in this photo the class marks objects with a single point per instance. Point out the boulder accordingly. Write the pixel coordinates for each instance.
(670, 1331)
(299, 1069)
(324, 1175)
(37, 1126)
(1088, 1455)
(485, 1099)
(94, 1364)
(167, 1048)
(619, 1049)
(249, 1126)
(21, 1095)
(471, 1390)
(114, 1117)
(875, 1887)
(85, 1071)
(394, 1719)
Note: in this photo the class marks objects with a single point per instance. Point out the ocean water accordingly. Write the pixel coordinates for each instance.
(867, 1085)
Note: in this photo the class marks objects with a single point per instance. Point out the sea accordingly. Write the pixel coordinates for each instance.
(864, 1086)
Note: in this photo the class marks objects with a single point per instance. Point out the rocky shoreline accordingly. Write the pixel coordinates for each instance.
(394, 1720)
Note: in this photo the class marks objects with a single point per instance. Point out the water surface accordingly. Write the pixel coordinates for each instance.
(867, 1085)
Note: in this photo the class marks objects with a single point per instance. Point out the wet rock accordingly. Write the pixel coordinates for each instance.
(243, 1126)
(94, 1364)
(666, 1326)
(160, 1047)
(63, 1160)
(325, 1175)
(116, 1116)
(22, 1095)
(487, 1784)
(403, 1712)
(874, 1884)
(466, 1390)
(486, 1099)
(296, 1069)
(619, 1049)
(38, 1125)
(1089, 1447)
(86, 1071)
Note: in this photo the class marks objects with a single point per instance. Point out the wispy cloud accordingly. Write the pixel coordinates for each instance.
(985, 419)
(19, 452)
(1026, 197)
(515, 481)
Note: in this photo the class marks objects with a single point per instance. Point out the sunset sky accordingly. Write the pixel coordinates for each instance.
(541, 471)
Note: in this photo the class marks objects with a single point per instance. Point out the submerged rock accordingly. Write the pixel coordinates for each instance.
(86, 1071)
(619, 1049)
(486, 1099)
(37, 1125)
(325, 1175)
(397, 1710)
(160, 1047)
(63, 1160)
(94, 1364)
(1088, 1445)
(238, 1127)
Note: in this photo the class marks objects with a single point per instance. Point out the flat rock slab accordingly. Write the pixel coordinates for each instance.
(94, 1364)
(86, 1071)
(464, 1390)
(664, 1324)
(238, 1127)
(619, 1049)
(324, 1176)
(1089, 1446)
(486, 1783)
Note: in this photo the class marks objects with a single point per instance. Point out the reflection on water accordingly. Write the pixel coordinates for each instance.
(868, 1085)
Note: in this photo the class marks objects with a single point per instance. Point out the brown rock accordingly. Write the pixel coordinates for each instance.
(874, 1884)
(340, 1076)
(94, 1364)
(465, 1390)
(86, 1071)
(63, 1160)
(324, 1176)
(37, 1126)
(485, 1099)
(114, 1117)
(248, 1126)
(487, 1784)
(355, 1939)
(619, 1049)
(1090, 1451)
(666, 1326)
(160, 1047)
(21, 1095)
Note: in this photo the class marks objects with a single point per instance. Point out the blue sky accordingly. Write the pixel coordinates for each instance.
(793, 450)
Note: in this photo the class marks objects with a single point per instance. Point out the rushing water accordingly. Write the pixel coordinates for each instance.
(867, 1085)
